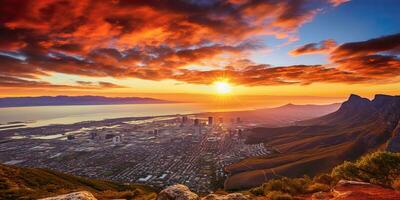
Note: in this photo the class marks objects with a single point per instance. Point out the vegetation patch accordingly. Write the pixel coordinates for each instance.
(380, 168)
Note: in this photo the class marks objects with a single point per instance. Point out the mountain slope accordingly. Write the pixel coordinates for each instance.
(317, 145)
(32, 183)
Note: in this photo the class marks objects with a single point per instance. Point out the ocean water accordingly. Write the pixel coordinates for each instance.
(47, 115)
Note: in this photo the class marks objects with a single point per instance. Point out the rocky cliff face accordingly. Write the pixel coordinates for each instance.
(394, 142)
(389, 108)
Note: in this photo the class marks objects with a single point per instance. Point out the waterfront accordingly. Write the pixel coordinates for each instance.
(17, 117)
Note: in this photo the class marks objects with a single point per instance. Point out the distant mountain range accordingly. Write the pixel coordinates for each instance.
(74, 100)
(316, 145)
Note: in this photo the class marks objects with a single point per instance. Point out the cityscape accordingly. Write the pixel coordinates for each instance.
(156, 151)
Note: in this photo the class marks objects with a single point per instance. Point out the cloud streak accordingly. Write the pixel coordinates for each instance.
(312, 48)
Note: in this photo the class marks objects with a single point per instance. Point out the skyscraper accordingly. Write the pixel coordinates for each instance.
(184, 119)
(210, 121)
(196, 122)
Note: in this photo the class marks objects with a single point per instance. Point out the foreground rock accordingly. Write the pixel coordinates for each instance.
(82, 195)
(344, 190)
(177, 192)
(353, 190)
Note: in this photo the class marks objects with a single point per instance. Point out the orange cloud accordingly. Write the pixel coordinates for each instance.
(324, 46)
(338, 2)
(386, 44)
(158, 40)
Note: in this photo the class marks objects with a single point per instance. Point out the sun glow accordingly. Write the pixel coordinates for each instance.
(222, 87)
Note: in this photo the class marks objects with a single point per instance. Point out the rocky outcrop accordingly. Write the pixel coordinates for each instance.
(82, 195)
(177, 192)
(394, 142)
(181, 192)
(353, 190)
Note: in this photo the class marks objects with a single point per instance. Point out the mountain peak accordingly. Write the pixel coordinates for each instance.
(354, 97)
(356, 101)
(355, 107)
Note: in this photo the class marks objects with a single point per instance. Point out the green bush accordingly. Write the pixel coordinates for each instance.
(381, 168)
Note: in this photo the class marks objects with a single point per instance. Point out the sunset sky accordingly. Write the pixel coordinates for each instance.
(177, 49)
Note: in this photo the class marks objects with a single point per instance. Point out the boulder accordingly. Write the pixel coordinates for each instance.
(177, 192)
(82, 195)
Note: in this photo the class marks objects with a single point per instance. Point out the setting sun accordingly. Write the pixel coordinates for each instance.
(222, 87)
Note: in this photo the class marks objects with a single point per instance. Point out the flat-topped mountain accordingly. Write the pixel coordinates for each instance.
(314, 146)
(74, 100)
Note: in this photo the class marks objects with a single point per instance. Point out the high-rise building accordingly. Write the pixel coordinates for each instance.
(184, 119)
(221, 120)
(197, 130)
(210, 121)
(238, 120)
(196, 122)
(240, 133)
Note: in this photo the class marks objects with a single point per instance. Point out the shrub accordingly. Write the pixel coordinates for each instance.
(381, 168)
(317, 187)
(257, 191)
(276, 195)
(396, 184)
(324, 179)
(287, 185)
(4, 184)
